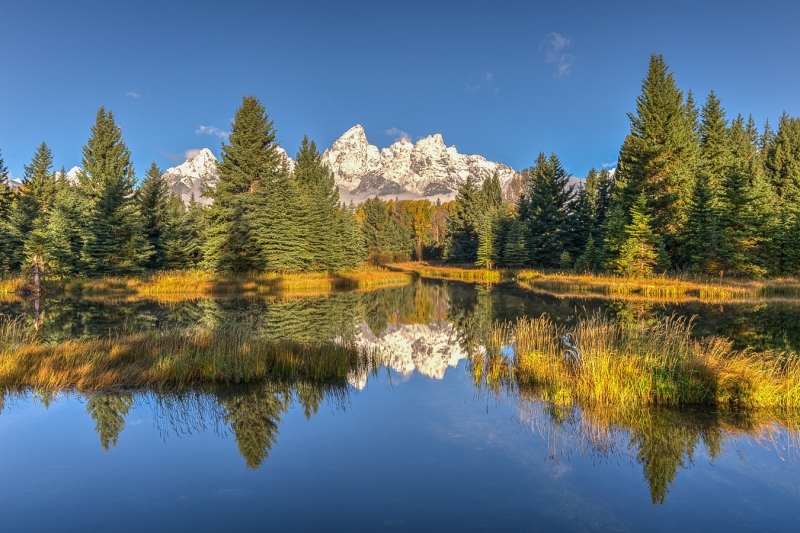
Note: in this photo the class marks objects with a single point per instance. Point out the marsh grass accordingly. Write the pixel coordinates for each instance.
(233, 353)
(478, 275)
(172, 285)
(658, 287)
(638, 364)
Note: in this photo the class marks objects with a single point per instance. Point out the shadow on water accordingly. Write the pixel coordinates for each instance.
(661, 441)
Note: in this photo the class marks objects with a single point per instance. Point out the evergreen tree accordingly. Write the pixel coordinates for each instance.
(487, 253)
(461, 241)
(659, 155)
(154, 198)
(250, 161)
(353, 250)
(8, 237)
(783, 169)
(545, 207)
(515, 252)
(643, 250)
(64, 234)
(281, 225)
(113, 241)
(321, 203)
(37, 203)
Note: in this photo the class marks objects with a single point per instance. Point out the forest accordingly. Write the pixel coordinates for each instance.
(693, 191)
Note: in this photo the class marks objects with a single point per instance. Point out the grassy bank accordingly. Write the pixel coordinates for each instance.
(659, 287)
(173, 358)
(479, 275)
(637, 364)
(199, 283)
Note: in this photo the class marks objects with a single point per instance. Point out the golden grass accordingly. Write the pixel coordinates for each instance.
(427, 270)
(658, 287)
(179, 284)
(11, 285)
(639, 364)
(172, 358)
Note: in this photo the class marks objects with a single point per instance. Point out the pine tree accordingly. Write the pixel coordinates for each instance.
(64, 233)
(487, 253)
(643, 250)
(783, 169)
(545, 207)
(281, 225)
(515, 252)
(113, 241)
(8, 236)
(461, 241)
(154, 198)
(659, 155)
(250, 161)
(321, 203)
(35, 205)
(353, 249)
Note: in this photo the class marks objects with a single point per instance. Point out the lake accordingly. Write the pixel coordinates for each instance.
(413, 445)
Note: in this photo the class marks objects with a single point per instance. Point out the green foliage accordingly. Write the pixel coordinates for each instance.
(112, 239)
(515, 253)
(461, 242)
(545, 207)
(154, 196)
(659, 155)
(250, 161)
(643, 250)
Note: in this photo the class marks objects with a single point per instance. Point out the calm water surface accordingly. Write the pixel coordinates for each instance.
(414, 446)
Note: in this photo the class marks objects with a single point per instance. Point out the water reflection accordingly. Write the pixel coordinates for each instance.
(426, 327)
(661, 440)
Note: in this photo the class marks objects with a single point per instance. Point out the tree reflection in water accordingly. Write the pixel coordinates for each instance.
(251, 413)
(661, 440)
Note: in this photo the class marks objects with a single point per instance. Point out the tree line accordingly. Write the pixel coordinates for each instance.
(693, 191)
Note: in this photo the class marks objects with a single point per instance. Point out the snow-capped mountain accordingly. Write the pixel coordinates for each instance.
(428, 168)
(193, 177)
(200, 172)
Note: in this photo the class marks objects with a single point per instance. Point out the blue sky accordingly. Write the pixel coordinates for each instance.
(501, 79)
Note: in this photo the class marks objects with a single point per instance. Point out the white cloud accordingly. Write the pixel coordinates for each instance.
(397, 134)
(191, 153)
(476, 82)
(554, 48)
(211, 130)
(133, 94)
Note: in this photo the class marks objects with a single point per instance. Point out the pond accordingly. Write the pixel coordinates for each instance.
(413, 445)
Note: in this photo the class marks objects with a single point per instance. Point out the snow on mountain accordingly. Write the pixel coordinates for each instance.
(199, 173)
(193, 177)
(427, 348)
(428, 168)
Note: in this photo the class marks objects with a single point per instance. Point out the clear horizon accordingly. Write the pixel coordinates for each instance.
(504, 82)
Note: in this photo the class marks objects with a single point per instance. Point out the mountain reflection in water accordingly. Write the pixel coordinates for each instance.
(426, 327)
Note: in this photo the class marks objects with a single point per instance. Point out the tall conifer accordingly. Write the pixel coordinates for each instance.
(113, 242)
(250, 160)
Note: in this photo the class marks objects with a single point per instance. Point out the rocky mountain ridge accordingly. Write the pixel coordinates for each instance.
(426, 169)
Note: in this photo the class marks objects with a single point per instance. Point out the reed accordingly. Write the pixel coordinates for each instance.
(173, 358)
(643, 364)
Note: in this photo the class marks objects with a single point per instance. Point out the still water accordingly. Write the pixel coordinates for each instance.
(415, 445)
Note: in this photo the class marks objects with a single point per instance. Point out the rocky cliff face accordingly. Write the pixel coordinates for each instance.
(428, 168)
